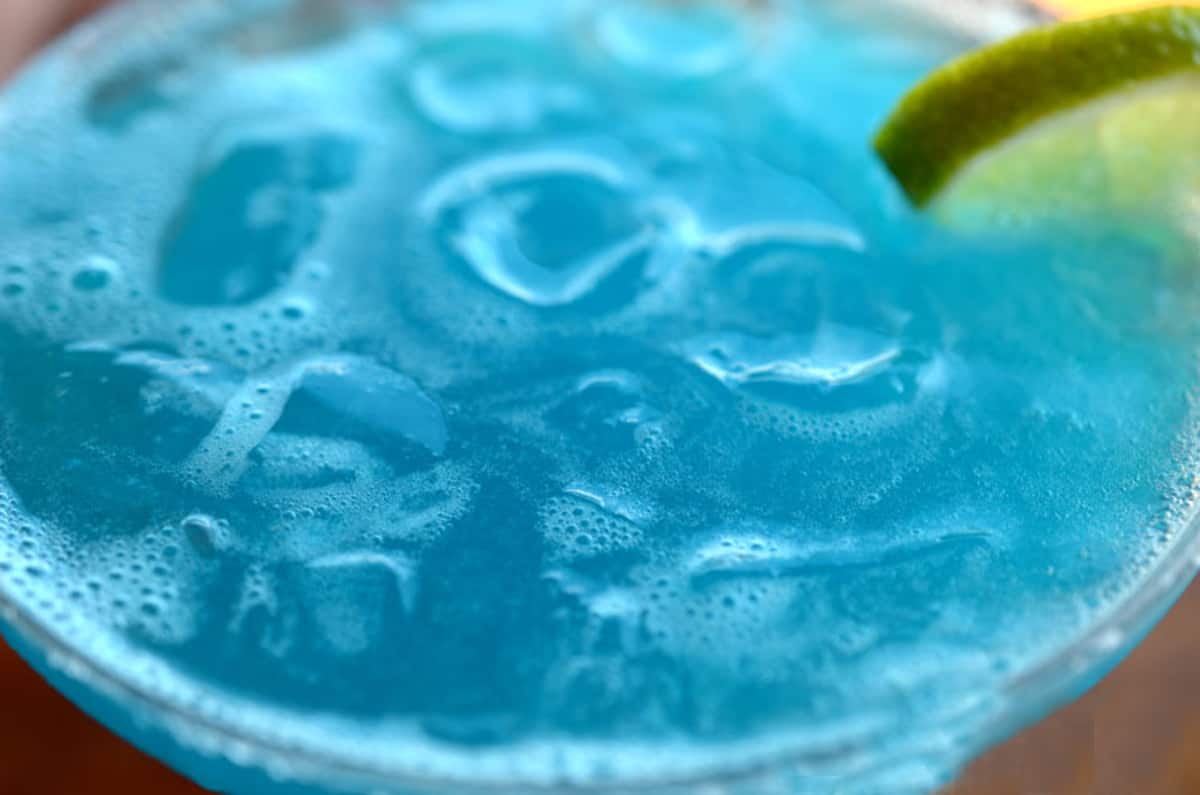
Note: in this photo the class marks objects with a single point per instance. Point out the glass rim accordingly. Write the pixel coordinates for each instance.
(1017, 698)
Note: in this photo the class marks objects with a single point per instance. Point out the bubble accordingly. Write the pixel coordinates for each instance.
(296, 310)
(549, 228)
(576, 527)
(95, 275)
(208, 536)
(495, 84)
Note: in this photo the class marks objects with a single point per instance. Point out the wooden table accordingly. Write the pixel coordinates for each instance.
(1137, 733)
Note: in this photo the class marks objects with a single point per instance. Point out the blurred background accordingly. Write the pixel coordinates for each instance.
(1134, 734)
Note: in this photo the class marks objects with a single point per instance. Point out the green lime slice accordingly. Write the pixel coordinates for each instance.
(1092, 119)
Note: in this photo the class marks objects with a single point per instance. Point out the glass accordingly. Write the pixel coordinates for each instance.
(261, 747)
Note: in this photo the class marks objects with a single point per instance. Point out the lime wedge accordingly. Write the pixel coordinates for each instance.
(1098, 118)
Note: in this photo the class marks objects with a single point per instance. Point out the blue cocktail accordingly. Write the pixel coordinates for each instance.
(558, 396)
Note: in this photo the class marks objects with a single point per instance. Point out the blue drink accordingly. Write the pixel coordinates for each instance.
(466, 397)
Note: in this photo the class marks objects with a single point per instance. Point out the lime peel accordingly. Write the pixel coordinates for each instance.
(980, 104)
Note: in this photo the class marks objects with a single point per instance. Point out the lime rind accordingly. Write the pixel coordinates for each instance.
(1131, 158)
(990, 97)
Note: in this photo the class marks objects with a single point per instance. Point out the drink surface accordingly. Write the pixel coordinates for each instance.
(532, 391)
